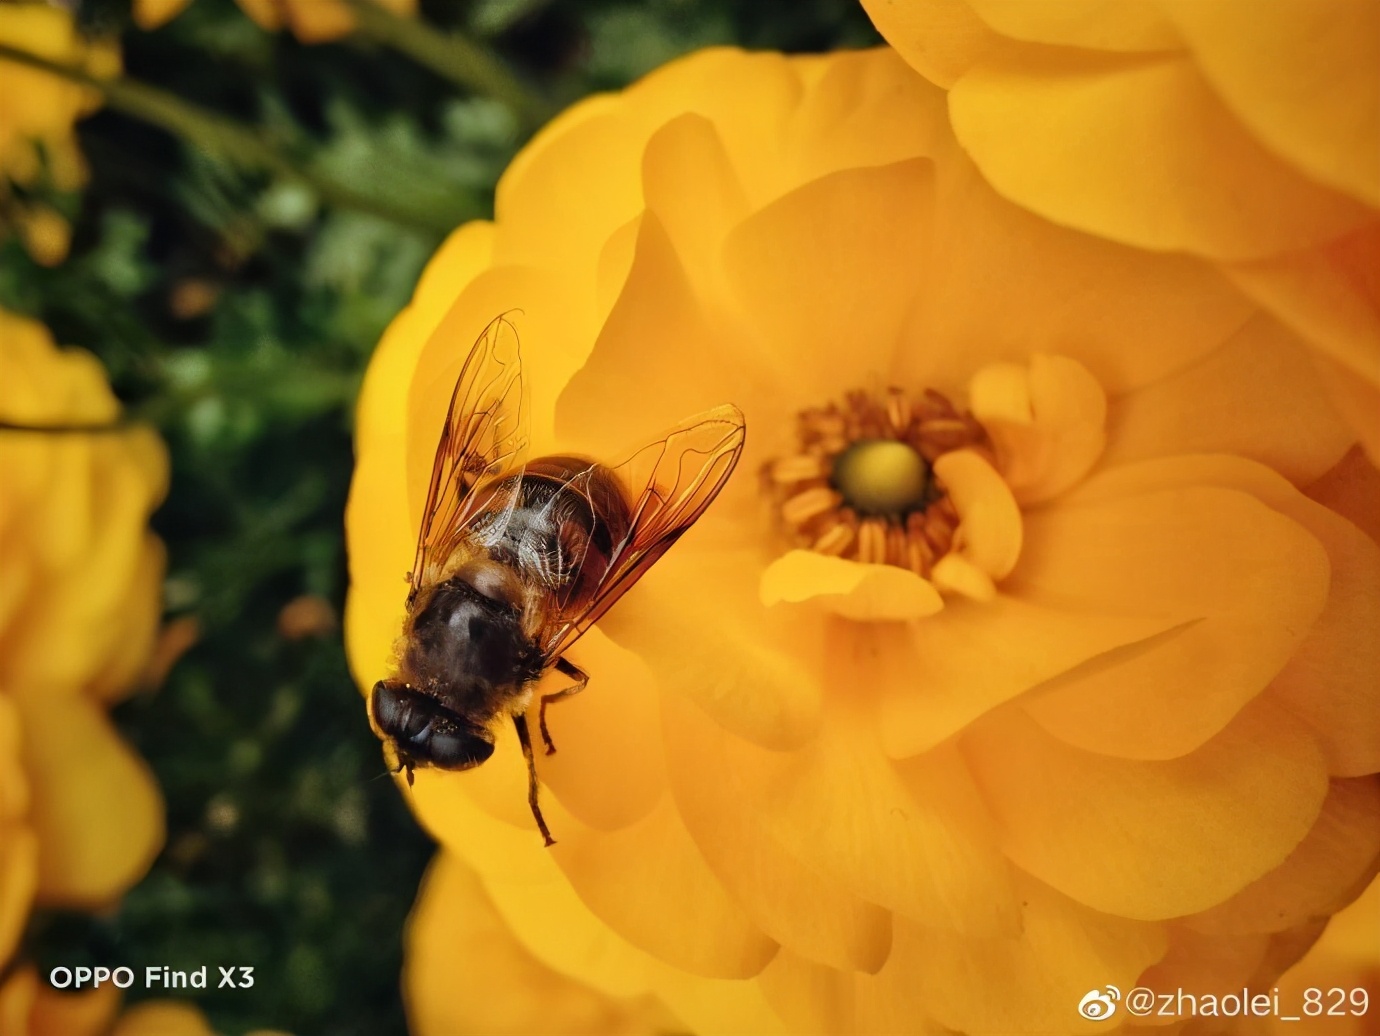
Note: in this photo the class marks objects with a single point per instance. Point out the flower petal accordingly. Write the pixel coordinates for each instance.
(555, 926)
(867, 593)
(465, 973)
(587, 183)
(1329, 295)
(1047, 422)
(1257, 396)
(1329, 678)
(90, 1013)
(150, 14)
(18, 880)
(1316, 880)
(809, 997)
(1138, 150)
(755, 670)
(1061, 951)
(691, 187)
(608, 769)
(712, 83)
(816, 917)
(1352, 490)
(636, 381)
(1206, 964)
(1116, 25)
(868, 109)
(940, 39)
(1003, 284)
(1357, 400)
(1322, 118)
(30, 1007)
(716, 1007)
(989, 528)
(793, 269)
(17, 993)
(96, 806)
(1231, 578)
(492, 832)
(638, 881)
(972, 657)
(914, 844)
(1150, 840)
(955, 574)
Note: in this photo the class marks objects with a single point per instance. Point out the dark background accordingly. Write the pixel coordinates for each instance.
(235, 311)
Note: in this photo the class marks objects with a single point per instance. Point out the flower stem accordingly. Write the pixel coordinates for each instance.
(228, 140)
(456, 57)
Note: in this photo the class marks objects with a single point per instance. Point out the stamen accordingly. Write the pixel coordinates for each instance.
(800, 508)
(872, 541)
(800, 468)
(835, 540)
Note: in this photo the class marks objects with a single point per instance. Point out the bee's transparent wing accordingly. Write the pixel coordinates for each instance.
(670, 483)
(485, 436)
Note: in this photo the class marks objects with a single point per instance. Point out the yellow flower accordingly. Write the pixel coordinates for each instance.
(29, 1007)
(311, 21)
(1240, 132)
(37, 111)
(1098, 714)
(79, 604)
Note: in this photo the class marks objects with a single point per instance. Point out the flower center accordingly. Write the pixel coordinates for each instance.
(881, 477)
(861, 484)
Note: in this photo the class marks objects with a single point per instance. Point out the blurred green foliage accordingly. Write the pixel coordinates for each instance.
(236, 311)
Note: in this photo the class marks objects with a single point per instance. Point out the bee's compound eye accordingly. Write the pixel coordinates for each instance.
(426, 731)
(396, 712)
(458, 749)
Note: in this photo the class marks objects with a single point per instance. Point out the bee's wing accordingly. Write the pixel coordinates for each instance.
(485, 435)
(670, 483)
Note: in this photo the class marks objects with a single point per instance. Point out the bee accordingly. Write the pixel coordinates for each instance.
(517, 558)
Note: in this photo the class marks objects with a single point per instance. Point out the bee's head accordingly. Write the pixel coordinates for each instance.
(425, 732)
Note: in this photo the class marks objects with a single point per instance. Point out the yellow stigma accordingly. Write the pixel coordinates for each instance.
(881, 477)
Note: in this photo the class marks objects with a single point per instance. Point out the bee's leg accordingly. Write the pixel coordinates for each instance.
(577, 674)
(521, 723)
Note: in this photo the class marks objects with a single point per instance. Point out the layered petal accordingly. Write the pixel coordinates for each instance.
(789, 900)
(1235, 585)
(1216, 192)
(467, 974)
(1320, 120)
(1339, 856)
(1256, 396)
(1047, 423)
(865, 592)
(1061, 951)
(1150, 839)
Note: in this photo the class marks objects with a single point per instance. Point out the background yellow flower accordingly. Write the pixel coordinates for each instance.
(311, 21)
(79, 606)
(37, 111)
(1239, 132)
(1069, 750)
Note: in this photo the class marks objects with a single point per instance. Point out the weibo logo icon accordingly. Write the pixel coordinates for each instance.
(1098, 1005)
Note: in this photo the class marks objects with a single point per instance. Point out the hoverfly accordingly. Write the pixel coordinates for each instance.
(517, 558)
